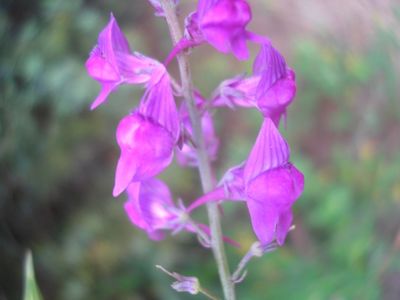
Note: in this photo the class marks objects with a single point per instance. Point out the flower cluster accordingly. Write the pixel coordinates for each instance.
(150, 135)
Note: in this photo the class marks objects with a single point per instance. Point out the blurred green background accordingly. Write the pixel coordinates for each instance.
(57, 158)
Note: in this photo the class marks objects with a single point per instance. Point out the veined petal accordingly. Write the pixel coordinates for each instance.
(158, 104)
(269, 151)
(271, 65)
(112, 40)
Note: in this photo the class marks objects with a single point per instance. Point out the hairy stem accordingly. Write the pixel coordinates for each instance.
(203, 161)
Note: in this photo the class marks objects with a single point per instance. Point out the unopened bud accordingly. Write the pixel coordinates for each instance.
(187, 284)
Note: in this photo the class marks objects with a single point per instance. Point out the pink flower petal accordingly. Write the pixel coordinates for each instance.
(146, 150)
(271, 65)
(159, 105)
(282, 229)
(269, 151)
(126, 170)
(264, 220)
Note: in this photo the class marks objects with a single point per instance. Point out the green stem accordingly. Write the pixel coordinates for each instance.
(203, 161)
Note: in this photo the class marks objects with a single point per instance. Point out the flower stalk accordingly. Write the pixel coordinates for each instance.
(203, 161)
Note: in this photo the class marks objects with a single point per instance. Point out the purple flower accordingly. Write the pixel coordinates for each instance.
(268, 183)
(186, 154)
(270, 198)
(159, 12)
(242, 92)
(222, 23)
(271, 89)
(187, 284)
(146, 150)
(147, 136)
(112, 64)
(150, 207)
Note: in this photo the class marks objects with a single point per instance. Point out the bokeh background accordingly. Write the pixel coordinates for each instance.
(57, 158)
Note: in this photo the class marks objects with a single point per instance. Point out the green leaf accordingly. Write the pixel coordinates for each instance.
(31, 291)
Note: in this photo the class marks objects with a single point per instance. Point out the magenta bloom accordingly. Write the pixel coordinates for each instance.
(270, 198)
(222, 23)
(186, 154)
(242, 92)
(272, 183)
(146, 150)
(150, 207)
(147, 137)
(268, 183)
(112, 64)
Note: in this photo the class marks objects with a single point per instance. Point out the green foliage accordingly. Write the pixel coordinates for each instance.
(31, 291)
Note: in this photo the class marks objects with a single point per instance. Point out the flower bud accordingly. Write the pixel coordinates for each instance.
(186, 284)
